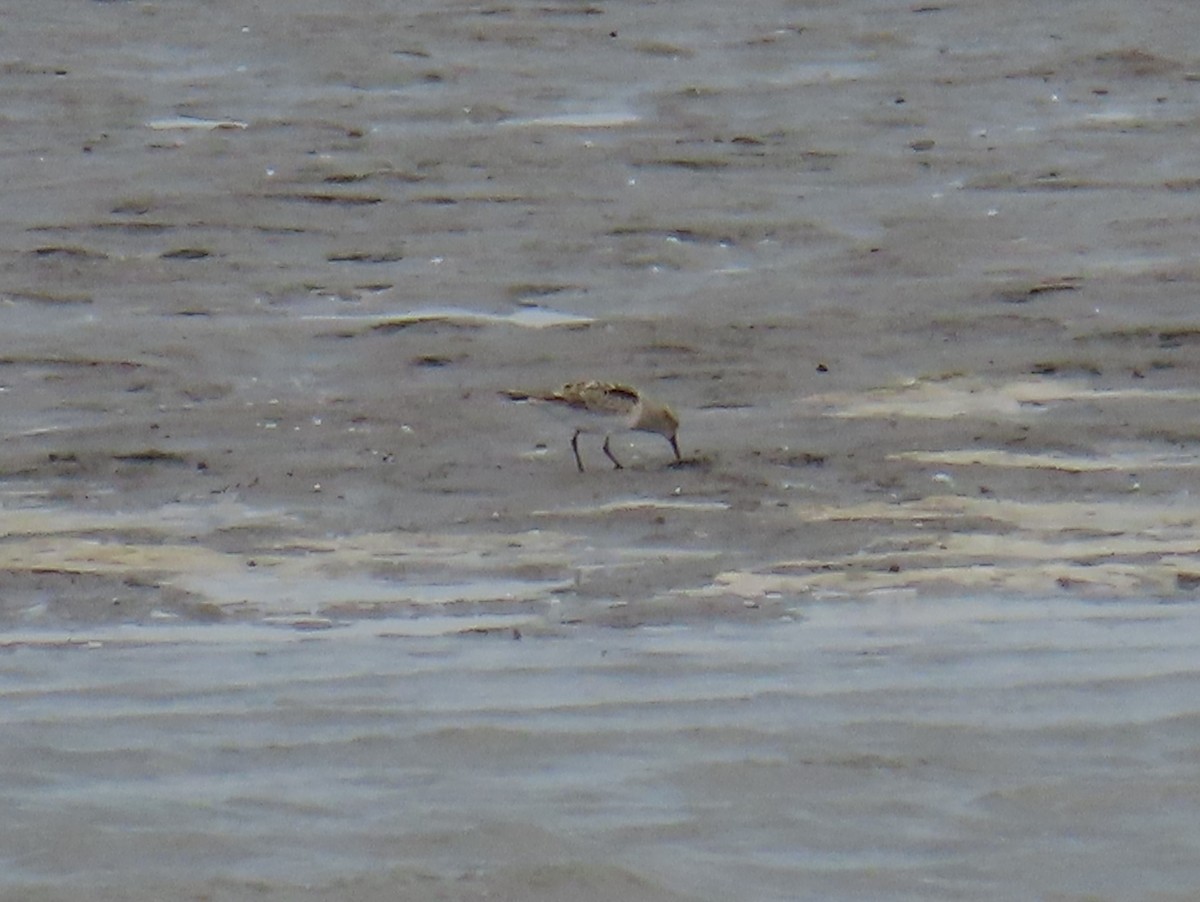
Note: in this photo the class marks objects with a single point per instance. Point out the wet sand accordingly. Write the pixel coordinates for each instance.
(920, 282)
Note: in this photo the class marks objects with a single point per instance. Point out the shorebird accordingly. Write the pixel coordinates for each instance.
(603, 407)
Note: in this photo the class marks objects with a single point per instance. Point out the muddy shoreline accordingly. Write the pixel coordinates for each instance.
(260, 304)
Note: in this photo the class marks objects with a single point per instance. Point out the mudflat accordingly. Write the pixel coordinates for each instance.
(919, 280)
(920, 285)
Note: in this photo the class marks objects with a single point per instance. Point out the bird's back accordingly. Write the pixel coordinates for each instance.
(604, 398)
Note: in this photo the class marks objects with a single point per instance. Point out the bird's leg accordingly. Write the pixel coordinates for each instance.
(575, 448)
(674, 446)
(608, 452)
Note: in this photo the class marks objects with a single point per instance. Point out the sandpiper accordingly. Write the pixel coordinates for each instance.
(600, 407)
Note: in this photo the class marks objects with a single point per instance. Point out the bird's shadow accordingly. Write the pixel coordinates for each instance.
(695, 462)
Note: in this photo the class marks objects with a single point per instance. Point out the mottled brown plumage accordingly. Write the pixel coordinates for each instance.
(600, 406)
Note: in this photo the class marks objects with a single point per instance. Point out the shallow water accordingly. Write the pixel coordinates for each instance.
(898, 748)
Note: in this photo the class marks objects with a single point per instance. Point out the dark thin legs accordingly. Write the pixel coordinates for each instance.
(575, 448)
(608, 453)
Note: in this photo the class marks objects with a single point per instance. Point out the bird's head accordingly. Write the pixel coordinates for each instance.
(661, 419)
